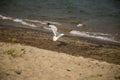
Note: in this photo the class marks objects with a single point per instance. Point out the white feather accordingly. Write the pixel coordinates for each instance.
(54, 29)
(56, 34)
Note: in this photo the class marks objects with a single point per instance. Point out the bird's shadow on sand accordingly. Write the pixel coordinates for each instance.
(60, 43)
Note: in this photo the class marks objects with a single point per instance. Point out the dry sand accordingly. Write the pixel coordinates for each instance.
(41, 64)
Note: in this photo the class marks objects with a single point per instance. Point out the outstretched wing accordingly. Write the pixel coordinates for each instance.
(54, 29)
(60, 35)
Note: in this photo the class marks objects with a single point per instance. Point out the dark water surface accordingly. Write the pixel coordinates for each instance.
(100, 17)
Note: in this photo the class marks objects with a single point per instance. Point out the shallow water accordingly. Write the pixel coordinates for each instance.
(97, 16)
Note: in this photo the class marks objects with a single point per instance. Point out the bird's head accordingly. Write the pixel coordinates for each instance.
(48, 24)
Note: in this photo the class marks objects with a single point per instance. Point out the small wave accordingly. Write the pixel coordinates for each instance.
(17, 20)
(97, 33)
(24, 23)
(4, 17)
(43, 22)
(35, 21)
(27, 22)
(89, 34)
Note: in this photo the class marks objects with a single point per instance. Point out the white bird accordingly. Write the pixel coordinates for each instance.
(57, 35)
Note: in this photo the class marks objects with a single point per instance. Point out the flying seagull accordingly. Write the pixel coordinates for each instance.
(57, 35)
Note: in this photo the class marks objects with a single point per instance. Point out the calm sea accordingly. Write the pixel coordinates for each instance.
(100, 18)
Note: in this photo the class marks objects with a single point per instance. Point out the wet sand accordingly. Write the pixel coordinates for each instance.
(66, 44)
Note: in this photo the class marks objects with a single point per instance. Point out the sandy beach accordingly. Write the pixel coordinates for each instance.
(27, 54)
(88, 47)
(69, 45)
(41, 64)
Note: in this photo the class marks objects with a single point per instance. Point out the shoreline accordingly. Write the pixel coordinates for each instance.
(103, 52)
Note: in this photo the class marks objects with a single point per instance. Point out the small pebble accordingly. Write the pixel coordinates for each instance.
(18, 72)
(68, 70)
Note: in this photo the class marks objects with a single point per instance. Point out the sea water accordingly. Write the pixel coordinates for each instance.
(100, 18)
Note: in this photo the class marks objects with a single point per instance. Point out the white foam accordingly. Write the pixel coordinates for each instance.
(27, 22)
(98, 33)
(88, 34)
(17, 20)
(4, 17)
(23, 22)
(79, 25)
(35, 21)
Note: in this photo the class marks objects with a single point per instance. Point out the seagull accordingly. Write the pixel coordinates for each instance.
(57, 35)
